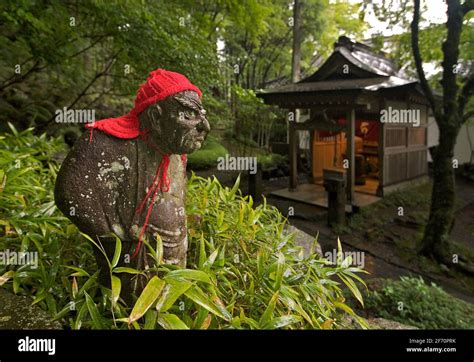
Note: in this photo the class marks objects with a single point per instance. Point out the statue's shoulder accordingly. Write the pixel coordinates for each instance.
(99, 145)
(91, 152)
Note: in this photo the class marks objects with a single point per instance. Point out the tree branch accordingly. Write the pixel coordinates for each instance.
(94, 43)
(451, 58)
(18, 78)
(467, 116)
(93, 80)
(467, 6)
(419, 62)
(466, 92)
(109, 64)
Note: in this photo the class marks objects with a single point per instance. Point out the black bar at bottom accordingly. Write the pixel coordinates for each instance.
(350, 345)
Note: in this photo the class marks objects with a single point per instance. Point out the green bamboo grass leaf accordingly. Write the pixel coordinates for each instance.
(346, 262)
(123, 320)
(172, 291)
(89, 283)
(251, 323)
(6, 277)
(220, 220)
(199, 297)
(13, 129)
(116, 287)
(220, 305)
(79, 271)
(135, 326)
(93, 312)
(344, 307)
(150, 319)
(221, 258)
(189, 274)
(281, 322)
(353, 288)
(314, 244)
(210, 261)
(279, 271)
(200, 319)
(202, 252)
(350, 274)
(305, 315)
(80, 317)
(159, 249)
(267, 315)
(146, 299)
(98, 246)
(234, 189)
(117, 253)
(171, 321)
(39, 297)
(127, 270)
(65, 311)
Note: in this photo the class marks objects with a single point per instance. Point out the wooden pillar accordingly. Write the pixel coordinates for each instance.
(293, 145)
(311, 153)
(381, 158)
(255, 184)
(350, 154)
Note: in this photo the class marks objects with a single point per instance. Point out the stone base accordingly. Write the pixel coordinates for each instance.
(16, 312)
(303, 239)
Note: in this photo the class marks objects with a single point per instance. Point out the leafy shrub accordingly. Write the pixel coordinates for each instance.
(243, 271)
(30, 221)
(410, 301)
(207, 156)
(272, 160)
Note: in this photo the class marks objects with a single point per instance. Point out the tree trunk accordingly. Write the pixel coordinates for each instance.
(297, 37)
(449, 116)
(436, 237)
(296, 75)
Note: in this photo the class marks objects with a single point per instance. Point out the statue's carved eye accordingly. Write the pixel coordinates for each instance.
(190, 114)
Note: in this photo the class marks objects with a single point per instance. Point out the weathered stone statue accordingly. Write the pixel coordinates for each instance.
(127, 175)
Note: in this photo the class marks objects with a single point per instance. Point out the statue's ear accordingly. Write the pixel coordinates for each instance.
(154, 114)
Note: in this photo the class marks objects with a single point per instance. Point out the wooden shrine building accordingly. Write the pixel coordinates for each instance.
(365, 116)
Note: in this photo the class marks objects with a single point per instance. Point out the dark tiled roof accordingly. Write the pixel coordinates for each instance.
(351, 66)
(371, 84)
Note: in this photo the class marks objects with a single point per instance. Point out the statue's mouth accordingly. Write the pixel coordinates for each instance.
(193, 141)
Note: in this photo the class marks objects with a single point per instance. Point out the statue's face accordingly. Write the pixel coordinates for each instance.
(179, 122)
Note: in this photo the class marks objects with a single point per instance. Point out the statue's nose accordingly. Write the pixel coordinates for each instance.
(204, 125)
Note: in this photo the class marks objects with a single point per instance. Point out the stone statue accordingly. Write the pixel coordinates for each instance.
(127, 175)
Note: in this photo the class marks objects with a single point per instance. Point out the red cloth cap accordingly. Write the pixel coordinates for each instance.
(159, 85)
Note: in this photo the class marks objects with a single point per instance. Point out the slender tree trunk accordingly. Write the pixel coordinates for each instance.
(449, 115)
(267, 139)
(234, 110)
(436, 237)
(296, 65)
(297, 37)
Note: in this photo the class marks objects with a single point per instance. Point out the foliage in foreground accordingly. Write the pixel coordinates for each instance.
(413, 302)
(243, 271)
